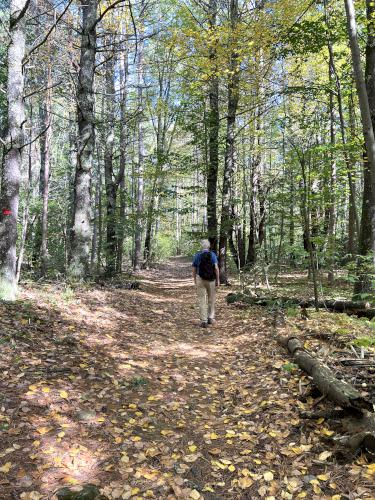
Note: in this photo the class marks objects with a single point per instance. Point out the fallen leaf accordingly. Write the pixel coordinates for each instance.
(268, 476)
(6, 467)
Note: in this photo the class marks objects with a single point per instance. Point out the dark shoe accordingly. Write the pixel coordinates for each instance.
(211, 321)
(204, 324)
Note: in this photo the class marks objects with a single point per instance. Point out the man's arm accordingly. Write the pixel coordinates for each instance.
(217, 272)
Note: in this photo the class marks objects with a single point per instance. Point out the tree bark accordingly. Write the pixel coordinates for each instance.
(124, 68)
(141, 152)
(213, 125)
(45, 160)
(111, 185)
(366, 97)
(12, 158)
(338, 391)
(82, 230)
(229, 163)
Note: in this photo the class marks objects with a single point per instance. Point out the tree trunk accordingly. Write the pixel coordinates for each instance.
(123, 148)
(214, 125)
(110, 184)
(45, 160)
(141, 152)
(332, 185)
(353, 221)
(12, 159)
(82, 231)
(28, 193)
(338, 391)
(366, 97)
(306, 218)
(229, 163)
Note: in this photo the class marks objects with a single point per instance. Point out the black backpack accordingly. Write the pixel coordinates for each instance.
(206, 267)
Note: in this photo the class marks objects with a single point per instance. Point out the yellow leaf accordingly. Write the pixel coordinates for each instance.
(213, 435)
(36, 443)
(336, 497)
(135, 491)
(136, 438)
(132, 405)
(6, 467)
(64, 394)
(166, 432)
(232, 468)
(43, 430)
(218, 464)
(326, 432)
(323, 477)
(191, 458)
(70, 480)
(61, 434)
(245, 482)
(320, 420)
(324, 455)
(33, 388)
(297, 450)
(192, 448)
(268, 476)
(46, 389)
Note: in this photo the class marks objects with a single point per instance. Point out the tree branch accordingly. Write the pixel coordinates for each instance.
(13, 22)
(110, 7)
(36, 47)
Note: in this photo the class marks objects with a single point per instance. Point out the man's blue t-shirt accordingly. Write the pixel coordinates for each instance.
(197, 259)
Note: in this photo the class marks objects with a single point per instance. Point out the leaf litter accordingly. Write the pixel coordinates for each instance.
(123, 390)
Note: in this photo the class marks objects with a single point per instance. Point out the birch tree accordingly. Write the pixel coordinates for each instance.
(13, 143)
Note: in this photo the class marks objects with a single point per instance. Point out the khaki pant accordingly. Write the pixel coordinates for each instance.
(206, 292)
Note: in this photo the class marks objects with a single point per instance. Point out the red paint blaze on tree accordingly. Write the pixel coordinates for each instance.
(6, 211)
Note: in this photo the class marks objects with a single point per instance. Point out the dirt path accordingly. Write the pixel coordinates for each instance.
(122, 389)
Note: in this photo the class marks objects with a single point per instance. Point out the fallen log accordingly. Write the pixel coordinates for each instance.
(338, 391)
(358, 308)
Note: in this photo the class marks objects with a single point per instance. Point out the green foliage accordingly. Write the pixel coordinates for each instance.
(365, 341)
(293, 312)
(289, 367)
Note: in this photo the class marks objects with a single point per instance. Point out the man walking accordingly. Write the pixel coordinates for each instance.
(206, 276)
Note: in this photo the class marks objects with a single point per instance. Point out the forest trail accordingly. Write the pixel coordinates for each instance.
(123, 389)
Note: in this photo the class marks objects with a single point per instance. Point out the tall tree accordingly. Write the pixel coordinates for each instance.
(229, 161)
(82, 230)
(366, 97)
(141, 145)
(12, 157)
(214, 126)
(45, 160)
